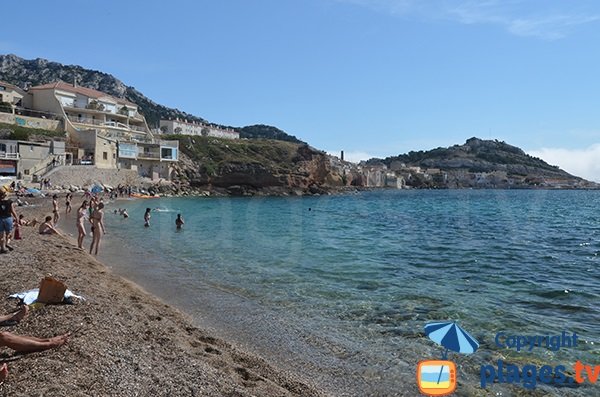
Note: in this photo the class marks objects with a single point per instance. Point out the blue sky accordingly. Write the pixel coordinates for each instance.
(371, 77)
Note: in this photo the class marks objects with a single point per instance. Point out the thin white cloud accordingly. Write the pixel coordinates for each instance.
(515, 16)
(514, 19)
(584, 163)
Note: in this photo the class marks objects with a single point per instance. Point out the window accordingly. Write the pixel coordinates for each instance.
(104, 155)
(2, 147)
(166, 153)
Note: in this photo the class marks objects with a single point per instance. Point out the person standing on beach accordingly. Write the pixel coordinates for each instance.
(179, 222)
(68, 199)
(7, 213)
(82, 216)
(98, 229)
(55, 209)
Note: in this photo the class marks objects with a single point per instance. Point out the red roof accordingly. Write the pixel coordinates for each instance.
(89, 92)
(11, 86)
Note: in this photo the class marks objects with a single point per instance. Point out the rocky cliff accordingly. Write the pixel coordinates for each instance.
(248, 167)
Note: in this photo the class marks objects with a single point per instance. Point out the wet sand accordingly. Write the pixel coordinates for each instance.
(126, 342)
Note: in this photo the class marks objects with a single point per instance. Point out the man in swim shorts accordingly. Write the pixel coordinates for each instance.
(7, 213)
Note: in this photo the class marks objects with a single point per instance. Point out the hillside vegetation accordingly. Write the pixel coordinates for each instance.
(18, 133)
(257, 166)
(215, 153)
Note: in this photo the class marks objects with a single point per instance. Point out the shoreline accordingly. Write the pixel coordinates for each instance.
(128, 341)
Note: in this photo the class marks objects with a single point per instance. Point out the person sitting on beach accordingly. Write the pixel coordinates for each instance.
(55, 209)
(24, 222)
(179, 222)
(98, 229)
(7, 213)
(147, 217)
(48, 227)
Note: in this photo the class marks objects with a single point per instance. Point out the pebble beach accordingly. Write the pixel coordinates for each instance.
(125, 341)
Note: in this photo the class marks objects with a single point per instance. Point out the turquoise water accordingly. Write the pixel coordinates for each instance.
(340, 287)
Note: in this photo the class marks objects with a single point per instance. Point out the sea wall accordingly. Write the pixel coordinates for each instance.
(86, 175)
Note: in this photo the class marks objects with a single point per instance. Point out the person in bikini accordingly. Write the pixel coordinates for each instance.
(55, 209)
(68, 200)
(98, 229)
(82, 216)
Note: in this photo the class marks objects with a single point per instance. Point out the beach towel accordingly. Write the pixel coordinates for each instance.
(29, 297)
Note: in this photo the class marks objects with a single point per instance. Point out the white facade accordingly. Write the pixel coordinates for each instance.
(199, 129)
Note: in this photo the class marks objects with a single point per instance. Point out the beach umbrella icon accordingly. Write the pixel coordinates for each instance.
(452, 337)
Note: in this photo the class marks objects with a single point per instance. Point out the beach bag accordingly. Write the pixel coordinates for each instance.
(51, 290)
(17, 232)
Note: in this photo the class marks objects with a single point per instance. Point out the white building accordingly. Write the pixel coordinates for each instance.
(185, 127)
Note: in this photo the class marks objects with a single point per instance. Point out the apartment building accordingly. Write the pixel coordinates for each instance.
(185, 127)
(105, 131)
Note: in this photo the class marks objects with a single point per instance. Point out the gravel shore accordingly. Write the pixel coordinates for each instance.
(125, 341)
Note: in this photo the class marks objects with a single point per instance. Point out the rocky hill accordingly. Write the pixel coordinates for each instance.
(248, 167)
(26, 73)
(482, 163)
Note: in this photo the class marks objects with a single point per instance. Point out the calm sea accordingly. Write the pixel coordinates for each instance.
(338, 288)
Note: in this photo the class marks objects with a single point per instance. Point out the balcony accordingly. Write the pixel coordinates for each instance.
(74, 107)
(84, 120)
(106, 124)
(9, 156)
(136, 128)
(149, 155)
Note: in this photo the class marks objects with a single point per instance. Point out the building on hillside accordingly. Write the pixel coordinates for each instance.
(373, 175)
(105, 131)
(11, 95)
(185, 127)
(26, 159)
(9, 157)
(394, 180)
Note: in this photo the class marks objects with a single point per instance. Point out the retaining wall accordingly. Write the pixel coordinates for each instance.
(85, 175)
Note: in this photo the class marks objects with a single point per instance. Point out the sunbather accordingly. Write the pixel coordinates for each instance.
(13, 318)
(27, 344)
